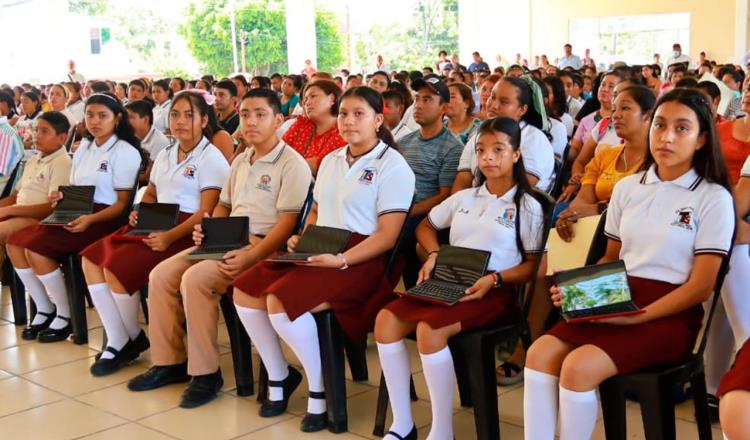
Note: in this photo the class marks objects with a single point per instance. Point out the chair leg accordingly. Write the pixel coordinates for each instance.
(356, 354)
(17, 295)
(700, 401)
(657, 411)
(613, 410)
(461, 367)
(144, 301)
(480, 352)
(241, 351)
(262, 383)
(77, 291)
(381, 410)
(332, 361)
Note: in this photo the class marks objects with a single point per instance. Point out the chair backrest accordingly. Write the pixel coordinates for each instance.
(598, 245)
(70, 139)
(397, 246)
(548, 208)
(305, 211)
(562, 170)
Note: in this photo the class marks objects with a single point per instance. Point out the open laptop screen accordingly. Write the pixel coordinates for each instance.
(76, 198)
(459, 265)
(594, 286)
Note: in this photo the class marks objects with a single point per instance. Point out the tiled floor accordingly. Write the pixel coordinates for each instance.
(46, 392)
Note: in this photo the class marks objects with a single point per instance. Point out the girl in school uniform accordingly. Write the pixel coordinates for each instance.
(31, 104)
(495, 217)
(365, 187)
(190, 174)
(109, 159)
(163, 99)
(672, 224)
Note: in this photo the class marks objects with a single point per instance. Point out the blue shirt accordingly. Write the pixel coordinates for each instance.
(434, 161)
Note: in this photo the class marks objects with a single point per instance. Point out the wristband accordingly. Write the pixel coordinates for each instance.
(498, 279)
(343, 260)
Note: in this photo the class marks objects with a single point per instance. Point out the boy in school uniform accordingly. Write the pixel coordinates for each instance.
(141, 117)
(268, 183)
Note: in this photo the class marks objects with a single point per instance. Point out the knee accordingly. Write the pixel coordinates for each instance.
(542, 357)
(274, 304)
(385, 327)
(429, 340)
(734, 409)
(585, 368)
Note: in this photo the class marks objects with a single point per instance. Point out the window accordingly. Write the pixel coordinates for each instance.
(633, 39)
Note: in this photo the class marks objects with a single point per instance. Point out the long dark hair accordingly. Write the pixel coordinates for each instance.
(33, 96)
(559, 103)
(7, 98)
(123, 129)
(375, 100)
(708, 162)
(197, 102)
(525, 97)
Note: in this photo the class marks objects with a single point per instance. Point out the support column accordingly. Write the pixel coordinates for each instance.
(740, 30)
(300, 34)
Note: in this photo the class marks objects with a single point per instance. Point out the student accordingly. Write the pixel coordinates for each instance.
(276, 81)
(678, 210)
(485, 90)
(260, 82)
(516, 98)
(31, 107)
(290, 88)
(8, 107)
(394, 103)
(242, 85)
(734, 136)
(651, 77)
(459, 112)
(136, 90)
(58, 97)
(365, 187)
(315, 134)
(152, 140)
(554, 104)
(75, 103)
(190, 174)
(268, 183)
(109, 159)
(472, 216)
(379, 81)
(163, 98)
(226, 105)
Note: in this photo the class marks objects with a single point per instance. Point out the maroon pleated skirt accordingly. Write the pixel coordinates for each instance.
(660, 342)
(55, 242)
(738, 378)
(132, 261)
(498, 307)
(355, 294)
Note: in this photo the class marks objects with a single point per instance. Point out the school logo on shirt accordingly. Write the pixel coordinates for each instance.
(103, 166)
(40, 177)
(368, 176)
(507, 217)
(264, 183)
(189, 172)
(684, 218)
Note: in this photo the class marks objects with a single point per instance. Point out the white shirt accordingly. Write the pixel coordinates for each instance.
(154, 142)
(606, 140)
(400, 131)
(161, 115)
(481, 220)
(408, 119)
(574, 106)
(76, 109)
(663, 225)
(571, 60)
(353, 198)
(536, 150)
(680, 59)
(570, 126)
(559, 136)
(182, 182)
(110, 167)
(71, 119)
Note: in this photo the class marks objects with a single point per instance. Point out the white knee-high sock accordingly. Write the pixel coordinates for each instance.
(440, 377)
(734, 294)
(117, 336)
(37, 292)
(394, 360)
(54, 284)
(266, 341)
(540, 403)
(302, 336)
(578, 412)
(129, 306)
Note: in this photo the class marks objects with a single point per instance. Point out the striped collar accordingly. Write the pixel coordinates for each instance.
(690, 180)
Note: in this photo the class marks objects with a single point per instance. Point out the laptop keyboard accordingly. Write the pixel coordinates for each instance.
(611, 309)
(216, 249)
(62, 219)
(447, 293)
(293, 257)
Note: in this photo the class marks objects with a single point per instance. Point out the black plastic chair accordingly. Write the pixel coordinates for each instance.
(17, 295)
(474, 357)
(563, 169)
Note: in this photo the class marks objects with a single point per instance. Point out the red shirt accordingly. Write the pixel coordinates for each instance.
(735, 151)
(301, 136)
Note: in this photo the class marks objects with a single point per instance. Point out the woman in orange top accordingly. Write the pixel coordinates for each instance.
(734, 136)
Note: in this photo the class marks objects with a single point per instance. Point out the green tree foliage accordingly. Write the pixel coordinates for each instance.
(88, 7)
(208, 33)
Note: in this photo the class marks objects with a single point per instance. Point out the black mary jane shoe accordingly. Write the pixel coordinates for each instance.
(314, 422)
(55, 335)
(105, 366)
(412, 435)
(202, 389)
(273, 408)
(31, 331)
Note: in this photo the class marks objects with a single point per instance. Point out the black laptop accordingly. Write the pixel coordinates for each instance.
(456, 269)
(316, 240)
(221, 235)
(596, 292)
(152, 217)
(76, 201)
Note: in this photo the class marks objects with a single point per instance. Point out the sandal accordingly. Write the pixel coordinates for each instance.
(509, 373)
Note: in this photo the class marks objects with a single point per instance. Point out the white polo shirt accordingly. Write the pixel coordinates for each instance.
(559, 137)
(182, 182)
(663, 225)
(353, 198)
(154, 142)
(76, 109)
(43, 175)
(110, 167)
(161, 115)
(536, 150)
(481, 220)
(276, 183)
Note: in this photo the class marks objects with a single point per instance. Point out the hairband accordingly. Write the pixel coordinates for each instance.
(537, 100)
(106, 95)
(205, 94)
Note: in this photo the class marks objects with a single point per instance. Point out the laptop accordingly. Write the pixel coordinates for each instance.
(76, 201)
(596, 292)
(221, 235)
(316, 240)
(456, 269)
(152, 217)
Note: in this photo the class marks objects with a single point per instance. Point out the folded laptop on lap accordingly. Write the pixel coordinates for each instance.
(152, 217)
(221, 235)
(316, 240)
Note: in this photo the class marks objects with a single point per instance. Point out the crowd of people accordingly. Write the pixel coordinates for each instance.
(445, 155)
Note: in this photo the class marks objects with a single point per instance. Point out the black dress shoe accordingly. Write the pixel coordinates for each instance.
(412, 435)
(31, 331)
(139, 345)
(314, 422)
(105, 366)
(273, 408)
(202, 389)
(159, 376)
(55, 335)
